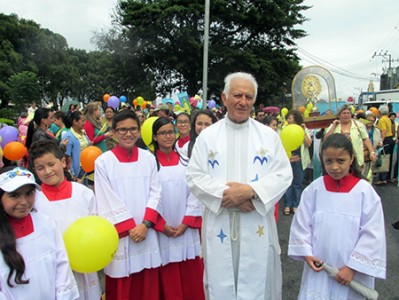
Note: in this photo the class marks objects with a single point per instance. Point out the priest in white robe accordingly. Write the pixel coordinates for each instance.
(239, 170)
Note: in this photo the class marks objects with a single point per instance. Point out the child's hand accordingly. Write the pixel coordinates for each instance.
(314, 263)
(138, 233)
(169, 231)
(180, 230)
(345, 275)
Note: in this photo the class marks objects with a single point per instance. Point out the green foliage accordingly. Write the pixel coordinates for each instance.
(166, 38)
(7, 121)
(8, 113)
(24, 88)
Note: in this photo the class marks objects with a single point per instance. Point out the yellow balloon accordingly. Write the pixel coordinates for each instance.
(284, 111)
(140, 100)
(292, 137)
(306, 113)
(91, 243)
(288, 153)
(309, 106)
(146, 132)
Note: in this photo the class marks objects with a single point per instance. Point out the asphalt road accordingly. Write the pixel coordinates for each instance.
(389, 288)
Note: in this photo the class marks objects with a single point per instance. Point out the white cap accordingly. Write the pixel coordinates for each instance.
(15, 178)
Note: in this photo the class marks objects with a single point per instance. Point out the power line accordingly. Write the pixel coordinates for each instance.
(333, 68)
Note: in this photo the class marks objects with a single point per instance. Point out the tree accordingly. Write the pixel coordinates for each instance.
(257, 36)
(24, 88)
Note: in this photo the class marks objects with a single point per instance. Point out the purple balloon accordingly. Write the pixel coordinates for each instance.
(8, 134)
(113, 101)
(211, 103)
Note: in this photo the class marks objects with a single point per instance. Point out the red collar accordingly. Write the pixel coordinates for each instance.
(344, 185)
(22, 227)
(182, 141)
(61, 192)
(168, 159)
(123, 155)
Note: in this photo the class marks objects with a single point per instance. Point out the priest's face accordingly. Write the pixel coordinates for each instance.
(240, 100)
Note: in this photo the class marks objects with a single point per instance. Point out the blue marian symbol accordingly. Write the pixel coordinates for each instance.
(211, 159)
(261, 160)
(221, 235)
(213, 163)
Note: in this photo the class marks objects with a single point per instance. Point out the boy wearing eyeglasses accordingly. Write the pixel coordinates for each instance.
(128, 195)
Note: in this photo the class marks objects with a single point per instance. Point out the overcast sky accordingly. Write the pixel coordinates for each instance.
(343, 35)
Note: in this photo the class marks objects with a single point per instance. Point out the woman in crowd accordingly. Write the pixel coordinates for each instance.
(183, 128)
(109, 114)
(201, 120)
(96, 132)
(78, 140)
(38, 127)
(300, 159)
(272, 122)
(375, 138)
(355, 132)
(179, 241)
(141, 116)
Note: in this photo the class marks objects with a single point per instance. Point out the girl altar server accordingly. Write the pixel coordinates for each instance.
(33, 260)
(182, 269)
(339, 221)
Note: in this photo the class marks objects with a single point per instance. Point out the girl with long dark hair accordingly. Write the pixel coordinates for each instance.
(34, 261)
(180, 240)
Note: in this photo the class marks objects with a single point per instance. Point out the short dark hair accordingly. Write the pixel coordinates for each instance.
(124, 115)
(42, 147)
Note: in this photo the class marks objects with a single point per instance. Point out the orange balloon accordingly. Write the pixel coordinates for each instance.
(302, 108)
(106, 97)
(14, 151)
(88, 156)
(135, 102)
(144, 105)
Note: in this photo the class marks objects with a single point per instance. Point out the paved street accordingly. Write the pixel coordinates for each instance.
(388, 289)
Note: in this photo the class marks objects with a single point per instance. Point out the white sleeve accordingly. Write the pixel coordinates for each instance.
(206, 188)
(66, 287)
(272, 186)
(300, 240)
(369, 253)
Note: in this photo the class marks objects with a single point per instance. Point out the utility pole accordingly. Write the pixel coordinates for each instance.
(384, 55)
(387, 58)
(205, 59)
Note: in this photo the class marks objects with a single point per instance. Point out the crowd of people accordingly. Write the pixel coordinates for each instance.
(196, 208)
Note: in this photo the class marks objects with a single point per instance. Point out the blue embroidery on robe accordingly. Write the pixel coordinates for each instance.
(221, 235)
(213, 163)
(261, 160)
(256, 178)
(211, 159)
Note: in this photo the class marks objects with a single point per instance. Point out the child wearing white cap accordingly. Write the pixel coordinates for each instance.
(33, 260)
